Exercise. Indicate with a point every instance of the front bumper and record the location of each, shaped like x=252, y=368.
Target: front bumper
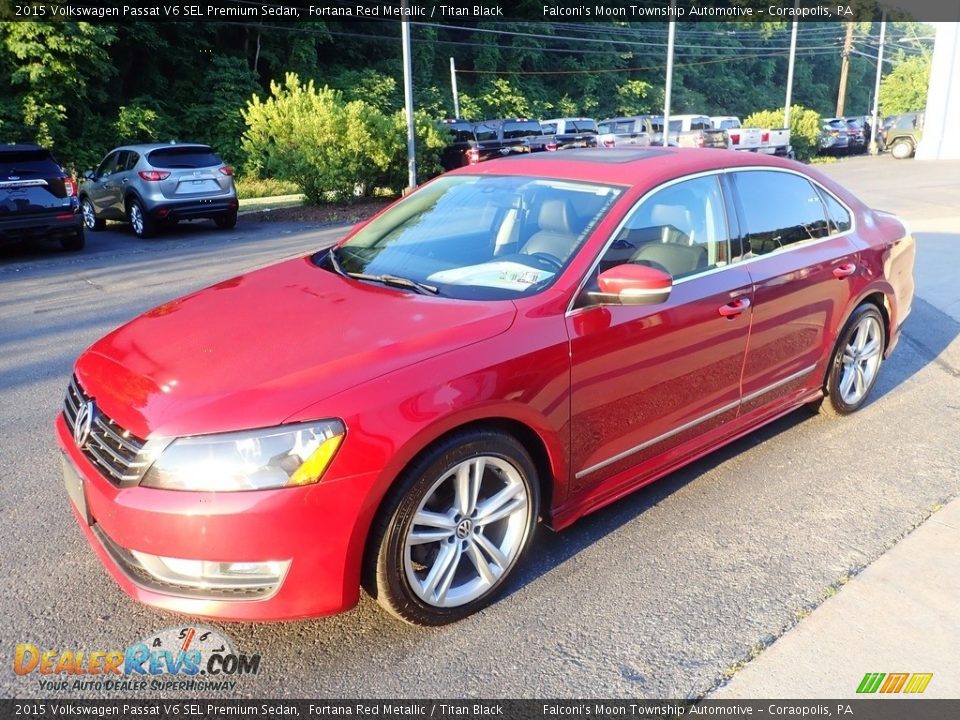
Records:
x=314, y=527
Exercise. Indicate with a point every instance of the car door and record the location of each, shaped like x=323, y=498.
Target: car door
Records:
x=102, y=191
x=802, y=266
x=649, y=380
x=123, y=178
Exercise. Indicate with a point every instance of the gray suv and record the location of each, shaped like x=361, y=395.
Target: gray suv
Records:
x=155, y=185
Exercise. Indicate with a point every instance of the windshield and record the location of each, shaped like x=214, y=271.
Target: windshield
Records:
x=479, y=237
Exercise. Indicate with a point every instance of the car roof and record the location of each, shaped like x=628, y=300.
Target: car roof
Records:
x=148, y=147
x=625, y=166
x=22, y=147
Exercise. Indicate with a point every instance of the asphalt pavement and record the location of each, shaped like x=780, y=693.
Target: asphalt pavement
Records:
x=667, y=593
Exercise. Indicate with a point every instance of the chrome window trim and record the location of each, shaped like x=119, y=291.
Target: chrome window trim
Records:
x=571, y=309
x=696, y=421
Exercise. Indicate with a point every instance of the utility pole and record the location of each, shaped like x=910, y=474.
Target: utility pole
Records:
x=408, y=100
x=793, y=57
x=453, y=86
x=667, y=91
x=875, y=120
x=844, y=69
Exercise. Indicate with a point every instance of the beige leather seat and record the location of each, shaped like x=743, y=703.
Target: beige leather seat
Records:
x=556, y=235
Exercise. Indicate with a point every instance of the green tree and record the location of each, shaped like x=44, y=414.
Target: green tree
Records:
x=804, y=128
x=637, y=97
x=905, y=89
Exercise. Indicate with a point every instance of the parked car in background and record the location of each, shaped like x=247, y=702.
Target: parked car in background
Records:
x=509, y=136
x=903, y=135
x=156, y=184
x=38, y=199
x=462, y=148
x=621, y=131
x=770, y=141
x=571, y=132
x=858, y=129
x=834, y=137
x=688, y=131
x=525, y=339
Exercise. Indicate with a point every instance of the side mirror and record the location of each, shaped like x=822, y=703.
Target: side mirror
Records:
x=633, y=285
x=88, y=175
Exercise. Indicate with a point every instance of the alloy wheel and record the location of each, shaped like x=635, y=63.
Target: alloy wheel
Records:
x=136, y=218
x=467, y=532
x=861, y=360
x=89, y=216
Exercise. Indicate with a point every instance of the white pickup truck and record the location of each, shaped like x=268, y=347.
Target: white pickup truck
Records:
x=762, y=140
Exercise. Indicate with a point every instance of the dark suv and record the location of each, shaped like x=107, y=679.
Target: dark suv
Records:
x=37, y=198
x=461, y=149
x=154, y=185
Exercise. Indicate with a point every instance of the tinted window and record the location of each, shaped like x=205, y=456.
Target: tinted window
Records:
x=779, y=209
x=681, y=230
x=27, y=162
x=518, y=129
x=122, y=160
x=838, y=215
x=582, y=126
x=132, y=160
x=699, y=124
x=174, y=157
x=108, y=166
x=549, y=128
x=485, y=132
x=460, y=132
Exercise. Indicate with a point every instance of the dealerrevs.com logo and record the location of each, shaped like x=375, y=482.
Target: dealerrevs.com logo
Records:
x=177, y=658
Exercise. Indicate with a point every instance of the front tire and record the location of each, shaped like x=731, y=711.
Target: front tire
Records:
x=453, y=529
x=142, y=224
x=902, y=149
x=855, y=363
x=90, y=220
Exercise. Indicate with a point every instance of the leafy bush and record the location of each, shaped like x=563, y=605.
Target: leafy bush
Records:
x=251, y=187
x=804, y=128
x=332, y=149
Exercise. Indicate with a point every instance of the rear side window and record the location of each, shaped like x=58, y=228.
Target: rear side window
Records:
x=485, y=132
x=132, y=160
x=779, y=209
x=173, y=158
x=549, y=128
x=460, y=132
x=584, y=126
x=27, y=162
x=517, y=129
x=839, y=217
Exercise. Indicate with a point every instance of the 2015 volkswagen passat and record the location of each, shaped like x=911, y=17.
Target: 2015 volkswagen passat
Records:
x=529, y=338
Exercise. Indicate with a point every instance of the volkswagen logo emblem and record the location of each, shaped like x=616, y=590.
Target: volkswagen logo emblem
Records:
x=83, y=423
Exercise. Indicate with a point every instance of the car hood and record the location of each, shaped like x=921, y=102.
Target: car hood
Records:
x=252, y=351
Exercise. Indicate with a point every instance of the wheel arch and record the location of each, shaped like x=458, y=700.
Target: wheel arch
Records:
x=880, y=298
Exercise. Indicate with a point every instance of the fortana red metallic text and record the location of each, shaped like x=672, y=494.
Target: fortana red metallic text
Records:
x=527, y=338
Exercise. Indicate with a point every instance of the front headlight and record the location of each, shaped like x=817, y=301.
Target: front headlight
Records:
x=283, y=456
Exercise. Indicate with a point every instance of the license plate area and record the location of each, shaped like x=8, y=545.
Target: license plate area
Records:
x=75, y=490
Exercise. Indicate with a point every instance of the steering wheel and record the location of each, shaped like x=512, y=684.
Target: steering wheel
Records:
x=544, y=258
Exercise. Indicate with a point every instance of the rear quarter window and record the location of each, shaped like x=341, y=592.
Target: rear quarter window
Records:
x=173, y=158
x=838, y=216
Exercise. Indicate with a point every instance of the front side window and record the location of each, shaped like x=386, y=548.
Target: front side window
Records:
x=479, y=237
x=108, y=166
x=779, y=209
x=521, y=128
x=681, y=230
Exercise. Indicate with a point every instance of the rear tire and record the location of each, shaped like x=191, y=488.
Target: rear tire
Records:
x=227, y=221
x=453, y=528
x=855, y=363
x=73, y=243
x=142, y=224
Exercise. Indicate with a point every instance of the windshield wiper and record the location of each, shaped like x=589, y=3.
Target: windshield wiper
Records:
x=393, y=280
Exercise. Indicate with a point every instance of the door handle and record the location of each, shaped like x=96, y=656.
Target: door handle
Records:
x=845, y=270
x=125, y=181
x=732, y=309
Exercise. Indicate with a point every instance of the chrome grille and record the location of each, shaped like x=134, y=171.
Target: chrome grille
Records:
x=115, y=451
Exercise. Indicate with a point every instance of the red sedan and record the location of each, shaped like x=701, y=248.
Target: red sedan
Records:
x=527, y=339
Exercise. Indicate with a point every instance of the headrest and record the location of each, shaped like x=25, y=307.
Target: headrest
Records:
x=555, y=216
